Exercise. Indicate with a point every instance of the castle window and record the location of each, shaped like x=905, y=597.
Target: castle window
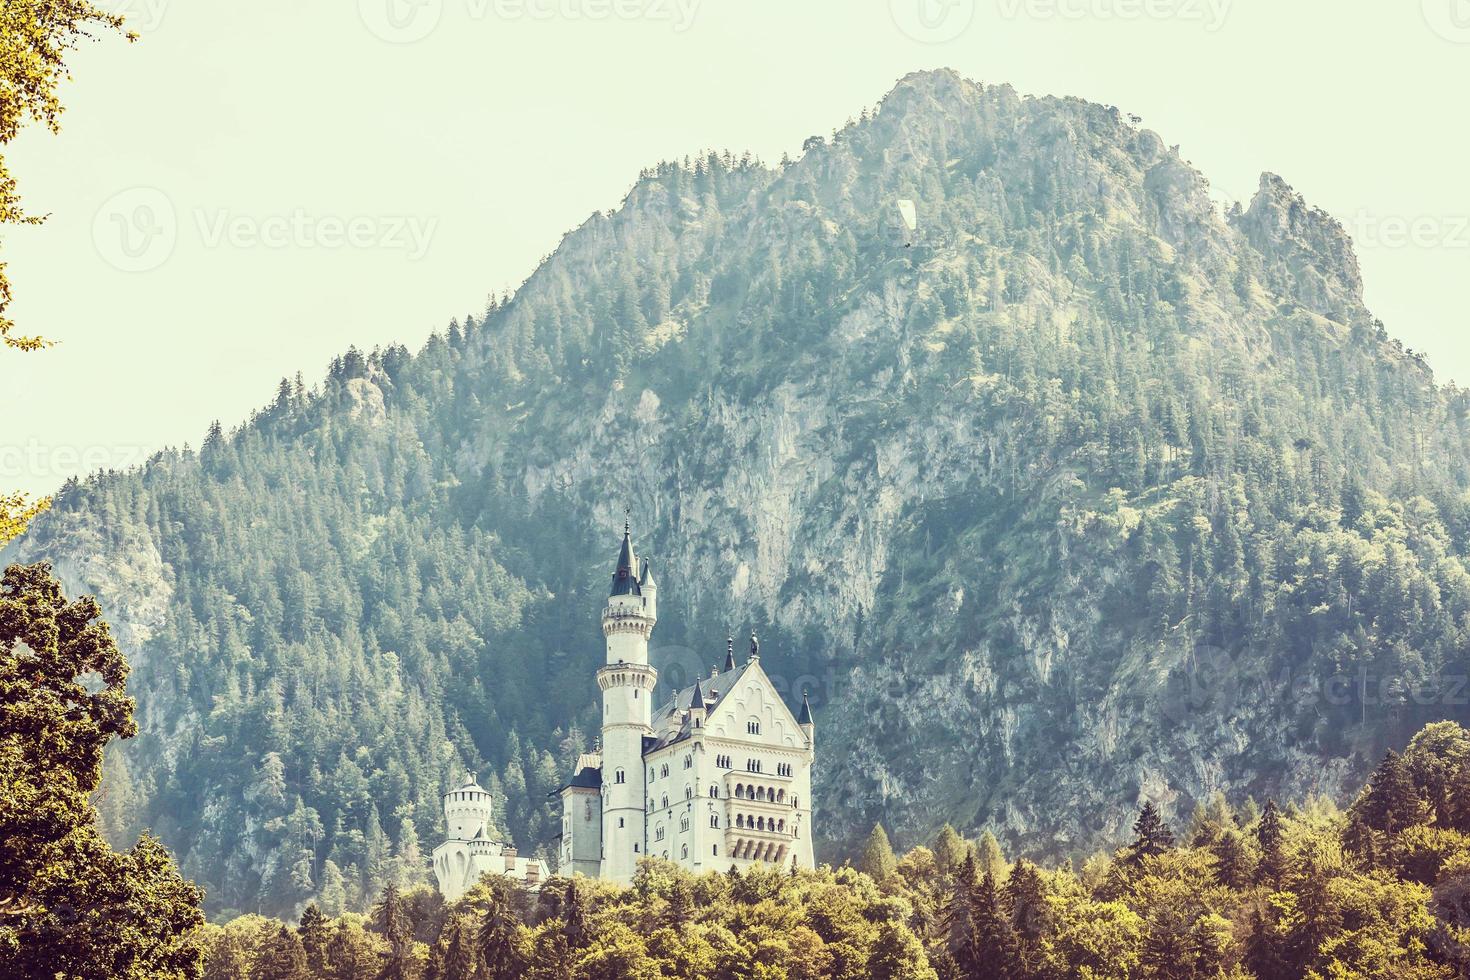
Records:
x=651, y=776
x=688, y=761
x=714, y=820
x=666, y=802
x=620, y=821
x=739, y=792
x=635, y=848
x=684, y=852
x=658, y=833
x=714, y=792
x=684, y=822
x=780, y=796
x=663, y=770
x=753, y=727
x=688, y=792
x=620, y=777
x=716, y=851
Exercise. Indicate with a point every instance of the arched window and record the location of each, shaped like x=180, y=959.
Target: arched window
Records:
x=739, y=791
x=658, y=833
x=620, y=777
x=760, y=793
x=753, y=727
x=714, y=792
x=684, y=852
x=688, y=761
x=714, y=820
x=688, y=792
x=780, y=796
x=651, y=776
x=781, y=825
x=760, y=823
x=663, y=770
x=666, y=802
x=684, y=822
x=740, y=820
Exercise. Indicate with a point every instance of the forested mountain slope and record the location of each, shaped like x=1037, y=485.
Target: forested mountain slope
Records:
x=1092, y=496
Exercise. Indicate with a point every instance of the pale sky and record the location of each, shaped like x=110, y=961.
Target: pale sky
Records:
x=254, y=186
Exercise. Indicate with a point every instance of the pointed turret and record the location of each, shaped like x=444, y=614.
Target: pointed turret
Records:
x=730, y=652
x=648, y=587
x=625, y=578
x=696, y=709
x=805, y=720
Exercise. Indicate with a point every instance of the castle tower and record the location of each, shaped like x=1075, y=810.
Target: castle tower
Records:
x=627, y=682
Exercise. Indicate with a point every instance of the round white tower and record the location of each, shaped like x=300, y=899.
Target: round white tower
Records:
x=627, y=683
x=467, y=809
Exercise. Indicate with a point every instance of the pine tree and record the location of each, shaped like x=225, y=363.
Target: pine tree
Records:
x=315, y=934
x=1271, y=838
x=283, y=958
x=988, y=856
x=1151, y=836
x=877, y=860
x=995, y=949
x=1234, y=863
x=1390, y=802
x=496, y=940
x=1024, y=900
x=949, y=849
x=391, y=919
x=958, y=918
x=574, y=912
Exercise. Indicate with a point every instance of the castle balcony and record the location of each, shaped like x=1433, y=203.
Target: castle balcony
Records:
x=760, y=790
x=741, y=846
x=641, y=676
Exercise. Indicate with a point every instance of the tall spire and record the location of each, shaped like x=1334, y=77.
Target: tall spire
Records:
x=625, y=578
x=806, y=711
x=730, y=652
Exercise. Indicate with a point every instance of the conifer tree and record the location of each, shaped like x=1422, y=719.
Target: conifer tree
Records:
x=988, y=856
x=496, y=940
x=995, y=953
x=1151, y=836
x=1390, y=802
x=949, y=849
x=315, y=934
x=877, y=860
x=1024, y=900
x=1271, y=838
x=1234, y=861
x=574, y=911
x=283, y=959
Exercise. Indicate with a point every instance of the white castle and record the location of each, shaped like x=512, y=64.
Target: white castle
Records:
x=716, y=774
x=473, y=849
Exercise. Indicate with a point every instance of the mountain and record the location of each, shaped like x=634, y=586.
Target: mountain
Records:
x=1085, y=495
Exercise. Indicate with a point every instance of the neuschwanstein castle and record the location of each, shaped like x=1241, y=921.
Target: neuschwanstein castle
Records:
x=713, y=775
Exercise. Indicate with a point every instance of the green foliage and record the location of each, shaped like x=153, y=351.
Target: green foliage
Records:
x=71, y=906
x=877, y=860
x=1167, y=913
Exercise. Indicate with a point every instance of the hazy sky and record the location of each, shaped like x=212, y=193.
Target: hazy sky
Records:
x=254, y=186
